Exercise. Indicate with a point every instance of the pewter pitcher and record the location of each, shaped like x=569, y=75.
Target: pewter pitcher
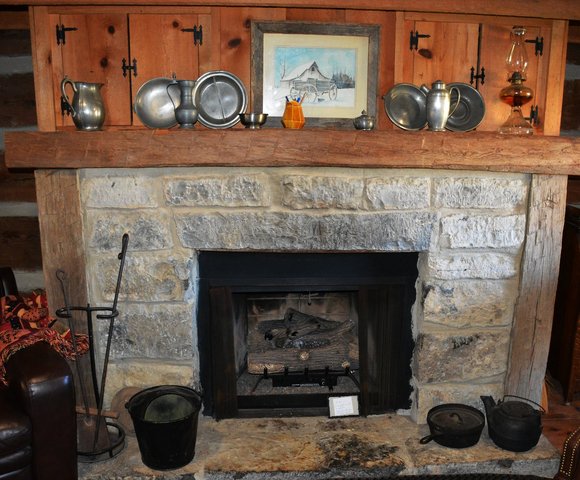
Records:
x=87, y=108
x=439, y=106
x=186, y=113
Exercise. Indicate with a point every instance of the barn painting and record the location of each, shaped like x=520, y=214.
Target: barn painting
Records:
x=321, y=76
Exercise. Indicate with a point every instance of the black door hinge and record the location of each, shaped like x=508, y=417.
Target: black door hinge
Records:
x=61, y=33
x=479, y=76
x=128, y=68
x=534, y=117
x=197, y=34
x=539, y=45
x=414, y=40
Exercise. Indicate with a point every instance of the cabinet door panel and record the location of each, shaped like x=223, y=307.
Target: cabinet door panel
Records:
x=447, y=54
x=494, y=49
x=162, y=49
x=93, y=53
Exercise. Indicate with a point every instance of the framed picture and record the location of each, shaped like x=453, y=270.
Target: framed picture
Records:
x=330, y=68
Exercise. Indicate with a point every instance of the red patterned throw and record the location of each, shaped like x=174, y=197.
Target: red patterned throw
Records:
x=24, y=321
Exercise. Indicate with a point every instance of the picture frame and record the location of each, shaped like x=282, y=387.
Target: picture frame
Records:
x=333, y=68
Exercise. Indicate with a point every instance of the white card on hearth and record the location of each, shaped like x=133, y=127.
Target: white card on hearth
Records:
x=343, y=406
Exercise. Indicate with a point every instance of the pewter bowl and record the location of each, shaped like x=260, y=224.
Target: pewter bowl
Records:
x=154, y=106
x=253, y=121
x=406, y=106
x=219, y=96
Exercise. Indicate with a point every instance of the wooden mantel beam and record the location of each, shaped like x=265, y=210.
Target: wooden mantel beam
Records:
x=555, y=9
x=480, y=151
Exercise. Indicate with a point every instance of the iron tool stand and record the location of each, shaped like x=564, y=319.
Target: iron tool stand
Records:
x=98, y=438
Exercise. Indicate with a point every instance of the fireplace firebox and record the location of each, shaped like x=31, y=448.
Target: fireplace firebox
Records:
x=280, y=333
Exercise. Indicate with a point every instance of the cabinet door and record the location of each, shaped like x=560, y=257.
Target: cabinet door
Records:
x=162, y=48
x=447, y=54
x=495, y=44
x=93, y=53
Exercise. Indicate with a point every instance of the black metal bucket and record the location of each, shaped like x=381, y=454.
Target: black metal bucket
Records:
x=165, y=420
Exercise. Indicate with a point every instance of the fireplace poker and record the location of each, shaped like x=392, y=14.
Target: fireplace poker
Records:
x=61, y=276
x=114, y=313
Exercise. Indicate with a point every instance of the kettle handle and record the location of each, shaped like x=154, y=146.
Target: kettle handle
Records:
x=65, y=99
x=542, y=409
x=453, y=107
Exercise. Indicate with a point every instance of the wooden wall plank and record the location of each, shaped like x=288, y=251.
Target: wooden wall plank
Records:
x=563, y=9
x=17, y=104
x=481, y=151
x=316, y=15
x=42, y=35
x=210, y=52
x=59, y=212
x=14, y=18
x=386, y=70
x=20, y=240
x=14, y=42
x=61, y=232
x=556, y=73
x=16, y=186
x=235, y=39
x=530, y=340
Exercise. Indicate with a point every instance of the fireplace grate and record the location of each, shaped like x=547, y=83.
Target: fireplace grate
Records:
x=307, y=378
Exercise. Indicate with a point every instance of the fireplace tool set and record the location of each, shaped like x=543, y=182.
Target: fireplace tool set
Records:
x=98, y=437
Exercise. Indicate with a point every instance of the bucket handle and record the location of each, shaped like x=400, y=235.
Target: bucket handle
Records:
x=160, y=393
x=542, y=409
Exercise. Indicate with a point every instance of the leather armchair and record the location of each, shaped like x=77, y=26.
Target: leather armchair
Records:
x=37, y=412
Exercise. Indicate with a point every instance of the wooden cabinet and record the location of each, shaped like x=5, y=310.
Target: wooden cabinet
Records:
x=441, y=51
x=449, y=46
x=472, y=50
x=123, y=51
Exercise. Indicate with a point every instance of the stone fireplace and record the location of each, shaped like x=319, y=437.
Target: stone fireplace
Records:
x=466, y=228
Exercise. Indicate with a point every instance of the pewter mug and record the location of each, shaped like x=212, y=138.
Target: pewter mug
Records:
x=439, y=106
x=87, y=108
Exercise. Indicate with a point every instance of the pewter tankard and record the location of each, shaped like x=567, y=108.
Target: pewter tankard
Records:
x=439, y=106
x=87, y=108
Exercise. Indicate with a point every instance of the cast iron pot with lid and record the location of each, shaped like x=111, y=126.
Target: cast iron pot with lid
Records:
x=514, y=424
x=454, y=425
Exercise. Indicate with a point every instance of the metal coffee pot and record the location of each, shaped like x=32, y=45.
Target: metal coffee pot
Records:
x=439, y=106
x=87, y=108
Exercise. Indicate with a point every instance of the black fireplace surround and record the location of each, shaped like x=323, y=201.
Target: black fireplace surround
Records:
x=383, y=286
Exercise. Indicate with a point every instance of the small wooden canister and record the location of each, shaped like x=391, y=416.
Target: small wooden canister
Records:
x=293, y=115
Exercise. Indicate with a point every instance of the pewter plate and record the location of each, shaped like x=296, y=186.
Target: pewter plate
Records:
x=220, y=97
x=406, y=106
x=470, y=111
x=153, y=104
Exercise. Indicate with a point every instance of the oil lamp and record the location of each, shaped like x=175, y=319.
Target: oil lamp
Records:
x=516, y=94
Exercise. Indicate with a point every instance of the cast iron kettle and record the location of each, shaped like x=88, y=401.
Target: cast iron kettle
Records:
x=513, y=425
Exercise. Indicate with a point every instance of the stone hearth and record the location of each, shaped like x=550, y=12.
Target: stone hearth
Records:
x=468, y=228
x=320, y=448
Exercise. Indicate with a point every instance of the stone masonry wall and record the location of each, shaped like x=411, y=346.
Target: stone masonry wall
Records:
x=468, y=226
